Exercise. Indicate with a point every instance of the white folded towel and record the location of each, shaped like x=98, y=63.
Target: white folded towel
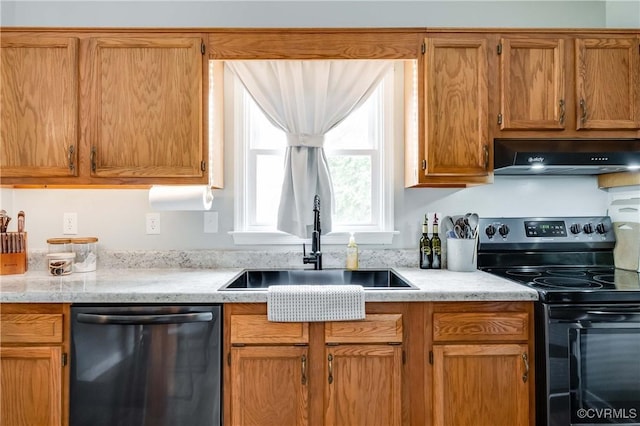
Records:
x=297, y=303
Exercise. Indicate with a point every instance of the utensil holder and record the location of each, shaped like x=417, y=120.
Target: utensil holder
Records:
x=13, y=253
x=461, y=254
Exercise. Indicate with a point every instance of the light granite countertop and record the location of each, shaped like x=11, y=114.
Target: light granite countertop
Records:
x=168, y=286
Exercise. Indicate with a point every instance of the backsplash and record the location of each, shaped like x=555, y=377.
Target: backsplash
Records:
x=219, y=259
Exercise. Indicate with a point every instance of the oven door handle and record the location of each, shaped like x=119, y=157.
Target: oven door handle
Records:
x=146, y=319
x=631, y=314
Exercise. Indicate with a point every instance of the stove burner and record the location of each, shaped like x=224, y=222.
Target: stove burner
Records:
x=565, y=282
x=605, y=278
x=567, y=272
x=526, y=274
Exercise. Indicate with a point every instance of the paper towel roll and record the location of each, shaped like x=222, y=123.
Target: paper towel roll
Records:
x=180, y=197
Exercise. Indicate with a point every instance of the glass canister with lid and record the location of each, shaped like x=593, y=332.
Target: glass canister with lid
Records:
x=86, y=251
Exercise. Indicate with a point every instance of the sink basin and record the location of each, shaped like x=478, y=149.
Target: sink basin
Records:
x=372, y=279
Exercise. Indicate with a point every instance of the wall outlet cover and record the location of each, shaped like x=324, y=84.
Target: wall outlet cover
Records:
x=153, y=223
x=210, y=222
x=70, y=223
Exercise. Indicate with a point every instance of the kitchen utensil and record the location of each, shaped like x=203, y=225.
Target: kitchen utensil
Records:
x=20, y=221
x=472, y=220
x=460, y=232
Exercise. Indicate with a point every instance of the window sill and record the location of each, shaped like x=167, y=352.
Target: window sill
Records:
x=333, y=238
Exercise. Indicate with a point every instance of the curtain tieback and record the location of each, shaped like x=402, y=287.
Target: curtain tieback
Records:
x=311, y=141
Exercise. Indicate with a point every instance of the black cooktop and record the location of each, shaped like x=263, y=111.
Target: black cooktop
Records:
x=560, y=284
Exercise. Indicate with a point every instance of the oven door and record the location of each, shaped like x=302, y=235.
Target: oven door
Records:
x=594, y=365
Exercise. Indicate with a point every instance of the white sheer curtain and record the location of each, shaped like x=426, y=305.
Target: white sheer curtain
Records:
x=306, y=99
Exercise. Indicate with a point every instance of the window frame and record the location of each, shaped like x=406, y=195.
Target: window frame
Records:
x=245, y=234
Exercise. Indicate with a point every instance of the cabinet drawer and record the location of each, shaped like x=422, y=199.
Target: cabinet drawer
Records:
x=480, y=326
x=31, y=328
x=257, y=329
x=375, y=328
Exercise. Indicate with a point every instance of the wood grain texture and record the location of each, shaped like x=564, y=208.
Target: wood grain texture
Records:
x=456, y=107
x=480, y=385
x=480, y=326
x=375, y=328
x=146, y=110
x=39, y=106
x=31, y=328
x=257, y=329
x=314, y=44
x=31, y=386
x=612, y=180
x=267, y=386
x=532, y=83
x=367, y=385
x=608, y=83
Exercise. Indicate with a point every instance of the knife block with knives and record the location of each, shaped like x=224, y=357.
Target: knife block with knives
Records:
x=13, y=247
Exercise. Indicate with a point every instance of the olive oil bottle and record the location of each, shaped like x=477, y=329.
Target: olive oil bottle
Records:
x=436, y=246
x=425, y=246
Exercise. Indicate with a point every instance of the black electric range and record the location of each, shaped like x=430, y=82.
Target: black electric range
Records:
x=567, y=260
x=587, y=318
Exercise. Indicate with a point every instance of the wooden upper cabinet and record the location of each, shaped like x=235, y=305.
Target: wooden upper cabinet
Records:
x=608, y=83
x=532, y=83
x=145, y=109
x=39, y=103
x=456, y=108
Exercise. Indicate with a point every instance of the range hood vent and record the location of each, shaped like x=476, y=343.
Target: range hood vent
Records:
x=565, y=156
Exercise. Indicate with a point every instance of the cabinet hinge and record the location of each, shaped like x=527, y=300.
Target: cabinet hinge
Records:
x=64, y=359
x=203, y=166
x=237, y=345
x=500, y=118
x=332, y=344
x=202, y=47
x=300, y=344
x=499, y=48
x=404, y=357
x=431, y=357
x=394, y=343
x=424, y=164
x=423, y=48
x=229, y=359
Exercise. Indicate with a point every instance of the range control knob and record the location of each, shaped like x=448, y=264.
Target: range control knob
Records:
x=588, y=228
x=575, y=228
x=490, y=230
x=503, y=230
x=601, y=228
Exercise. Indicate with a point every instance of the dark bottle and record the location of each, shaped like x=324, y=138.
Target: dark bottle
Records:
x=436, y=246
x=425, y=246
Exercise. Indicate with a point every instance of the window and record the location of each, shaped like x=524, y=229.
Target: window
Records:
x=360, y=155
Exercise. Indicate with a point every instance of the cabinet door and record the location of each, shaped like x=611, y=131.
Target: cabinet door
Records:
x=363, y=385
x=39, y=103
x=146, y=107
x=608, y=83
x=456, y=106
x=31, y=386
x=481, y=384
x=532, y=83
x=269, y=385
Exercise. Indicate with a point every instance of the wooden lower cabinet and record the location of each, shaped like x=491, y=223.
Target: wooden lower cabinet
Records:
x=364, y=385
x=480, y=385
x=33, y=371
x=346, y=373
x=269, y=385
x=482, y=364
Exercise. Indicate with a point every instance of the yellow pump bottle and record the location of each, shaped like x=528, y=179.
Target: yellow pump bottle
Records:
x=352, y=254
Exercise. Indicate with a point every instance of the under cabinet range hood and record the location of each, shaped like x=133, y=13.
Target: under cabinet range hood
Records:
x=565, y=156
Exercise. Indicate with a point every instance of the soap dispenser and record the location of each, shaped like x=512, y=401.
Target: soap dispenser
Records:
x=352, y=254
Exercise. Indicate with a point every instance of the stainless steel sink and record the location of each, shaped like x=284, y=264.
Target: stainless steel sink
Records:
x=372, y=279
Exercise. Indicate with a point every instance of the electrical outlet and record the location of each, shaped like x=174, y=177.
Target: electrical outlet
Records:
x=70, y=223
x=210, y=222
x=153, y=223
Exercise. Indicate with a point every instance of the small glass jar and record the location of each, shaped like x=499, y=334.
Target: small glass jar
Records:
x=86, y=251
x=59, y=245
x=60, y=263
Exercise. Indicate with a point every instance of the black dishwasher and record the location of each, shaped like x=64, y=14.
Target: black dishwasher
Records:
x=145, y=365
